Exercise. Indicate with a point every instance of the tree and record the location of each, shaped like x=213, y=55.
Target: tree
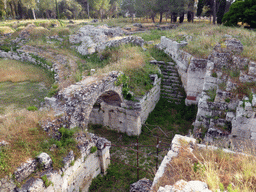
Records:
x=47, y=8
x=30, y=4
x=190, y=9
x=162, y=7
x=101, y=6
x=200, y=6
x=221, y=10
x=128, y=6
x=241, y=11
x=2, y=11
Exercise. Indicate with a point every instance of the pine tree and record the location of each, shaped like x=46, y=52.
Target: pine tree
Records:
x=200, y=6
x=221, y=10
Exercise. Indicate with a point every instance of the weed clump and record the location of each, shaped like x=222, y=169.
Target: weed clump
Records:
x=47, y=183
x=93, y=149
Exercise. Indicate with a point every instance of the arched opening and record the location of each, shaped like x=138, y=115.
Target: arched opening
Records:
x=108, y=112
x=106, y=103
x=110, y=98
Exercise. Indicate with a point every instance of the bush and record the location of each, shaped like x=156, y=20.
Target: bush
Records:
x=94, y=149
x=241, y=11
x=32, y=108
x=47, y=183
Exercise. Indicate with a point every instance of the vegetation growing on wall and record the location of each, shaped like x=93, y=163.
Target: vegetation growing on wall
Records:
x=221, y=171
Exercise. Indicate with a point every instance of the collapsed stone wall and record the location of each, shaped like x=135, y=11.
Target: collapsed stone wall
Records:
x=208, y=84
x=76, y=174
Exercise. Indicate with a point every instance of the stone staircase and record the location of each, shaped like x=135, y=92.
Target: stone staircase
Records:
x=171, y=85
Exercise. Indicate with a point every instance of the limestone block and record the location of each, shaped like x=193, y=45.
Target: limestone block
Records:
x=196, y=186
x=253, y=136
x=141, y=185
x=68, y=159
x=246, y=78
x=252, y=68
x=32, y=185
x=3, y=143
x=25, y=170
x=45, y=160
x=230, y=116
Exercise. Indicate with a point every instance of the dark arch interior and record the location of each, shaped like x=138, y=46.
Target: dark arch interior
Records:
x=109, y=97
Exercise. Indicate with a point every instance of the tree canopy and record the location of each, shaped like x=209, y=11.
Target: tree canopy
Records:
x=241, y=11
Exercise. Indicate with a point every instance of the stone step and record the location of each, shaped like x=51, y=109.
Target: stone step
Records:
x=169, y=76
x=171, y=98
x=170, y=90
x=166, y=67
x=171, y=87
x=170, y=63
x=171, y=80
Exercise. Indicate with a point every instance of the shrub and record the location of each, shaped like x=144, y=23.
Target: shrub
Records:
x=53, y=91
x=214, y=74
x=241, y=11
x=32, y=108
x=93, y=149
x=47, y=183
x=227, y=100
x=212, y=94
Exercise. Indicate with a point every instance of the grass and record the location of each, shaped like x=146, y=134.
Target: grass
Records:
x=212, y=94
x=5, y=30
x=22, y=85
x=131, y=60
x=15, y=71
x=27, y=140
x=170, y=118
x=221, y=171
x=205, y=37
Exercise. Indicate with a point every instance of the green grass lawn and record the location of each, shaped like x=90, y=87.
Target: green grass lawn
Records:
x=21, y=94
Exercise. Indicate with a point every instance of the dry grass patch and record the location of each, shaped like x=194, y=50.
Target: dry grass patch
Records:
x=220, y=170
x=4, y=30
x=21, y=130
x=27, y=140
x=124, y=59
x=15, y=71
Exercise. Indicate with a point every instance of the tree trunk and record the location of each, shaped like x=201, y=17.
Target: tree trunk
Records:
x=88, y=9
x=214, y=12
x=153, y=18
x=181, y=17
x=34, y=15
x=101, y=15
x=161, y=17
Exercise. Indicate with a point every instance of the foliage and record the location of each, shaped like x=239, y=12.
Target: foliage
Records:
x=200, y=6
x=212, y=94
x=221, y=10
x=93, y=149
x=214, y=74
x=53, y=91
x=241, y=11
x=176, y=118
x=32, y=108
x=47, y=183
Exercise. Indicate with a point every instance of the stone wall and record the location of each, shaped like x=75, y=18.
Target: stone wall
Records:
x=130, y=117
x=171, y=86
x=76, y=174
x=191, y=70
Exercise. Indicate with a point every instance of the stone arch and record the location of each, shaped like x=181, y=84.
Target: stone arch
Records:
x=111, y=96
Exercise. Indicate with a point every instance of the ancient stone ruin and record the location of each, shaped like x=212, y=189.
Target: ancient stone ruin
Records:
x=224, y=109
